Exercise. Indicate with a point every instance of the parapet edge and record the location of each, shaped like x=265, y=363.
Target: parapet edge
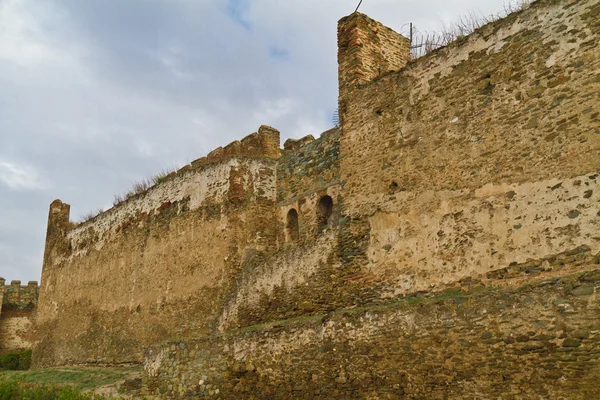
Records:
x=294, y=145
x=18, y=283
x=263, y=144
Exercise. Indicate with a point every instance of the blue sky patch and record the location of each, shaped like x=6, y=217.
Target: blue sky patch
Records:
x=237, y=10
x=278, y=53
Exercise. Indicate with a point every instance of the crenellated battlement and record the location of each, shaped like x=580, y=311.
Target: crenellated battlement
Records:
x=18, y=297
x=18, y=306
x=262, y=144
x=265, y=143
x=296, y=144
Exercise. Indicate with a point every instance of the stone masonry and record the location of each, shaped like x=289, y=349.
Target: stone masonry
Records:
x=17, y=313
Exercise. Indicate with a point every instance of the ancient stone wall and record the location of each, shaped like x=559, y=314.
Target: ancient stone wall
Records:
x=161, y=264
x=483, y=153
x=399, y=239
x=293, y=279
x=20, y=298
x=308, y=170
x=308, y=165
x=492, y=339
x=17, y=313
x=366, y=50
x=2, y=282
x=462, y=256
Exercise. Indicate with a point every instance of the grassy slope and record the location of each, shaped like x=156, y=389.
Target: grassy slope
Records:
x=104, y=381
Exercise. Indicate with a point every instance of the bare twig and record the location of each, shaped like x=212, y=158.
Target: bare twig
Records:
x=425, y=42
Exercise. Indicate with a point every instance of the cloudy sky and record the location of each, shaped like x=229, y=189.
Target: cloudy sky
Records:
x=96, y=94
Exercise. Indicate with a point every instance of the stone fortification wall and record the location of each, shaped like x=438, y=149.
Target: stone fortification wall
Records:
x=481, y=154
x=463, y=256
x=484, y=339
x=308, y=170
x=302, y=263
x=443, y=243
x=392, y=238
x=308, y=166
x=160, y=265
x=19, y=298
x=366, y=50
x=17, y=313
x=294, y=281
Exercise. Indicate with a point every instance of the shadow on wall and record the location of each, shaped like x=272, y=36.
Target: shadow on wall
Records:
x=324, y=212
x=292, y=227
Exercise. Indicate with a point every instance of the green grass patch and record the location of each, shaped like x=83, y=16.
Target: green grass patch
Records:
x=13, y=389
x=16, y=361
x=81, y=379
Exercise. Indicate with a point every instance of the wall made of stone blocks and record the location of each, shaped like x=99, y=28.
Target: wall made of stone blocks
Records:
x=283, y=284
x=157, y=267
x=480, y=339
x=296, y=278
x=311, y=167
x=294, y=281
x=17, y=312
x=16, y=331
x=483, y=153
x=460, y=258
x=366, y=50
x=20, y=298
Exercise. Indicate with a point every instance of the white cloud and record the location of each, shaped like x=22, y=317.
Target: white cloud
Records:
x=22, y=39
x=270, y=110
x=19, y=177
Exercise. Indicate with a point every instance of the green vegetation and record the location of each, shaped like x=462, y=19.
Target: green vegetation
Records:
x=66, y=383
x=83, y=379
x=143, y=185
x=280, y=323
x=91, y=214
x=16, y=361
x=137, y=188
x=12, y=389
x=162, y=175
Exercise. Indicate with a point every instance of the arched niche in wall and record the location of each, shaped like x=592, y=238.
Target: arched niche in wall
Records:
x=291, y=226
x=324, y=211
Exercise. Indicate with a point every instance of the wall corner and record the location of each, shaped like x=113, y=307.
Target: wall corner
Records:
x=366, y=50
x=271, y=143
x=58, y=226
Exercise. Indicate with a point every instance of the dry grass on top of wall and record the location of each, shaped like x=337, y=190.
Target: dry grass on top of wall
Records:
x=138, y=187
x=425, y=42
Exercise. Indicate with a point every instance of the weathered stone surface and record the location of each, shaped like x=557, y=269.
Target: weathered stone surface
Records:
x=403, y=349
x=159, y=265
x=17, y=312
x=455, y=182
